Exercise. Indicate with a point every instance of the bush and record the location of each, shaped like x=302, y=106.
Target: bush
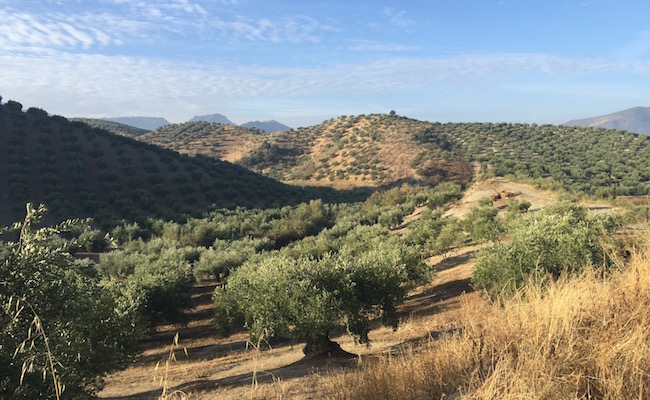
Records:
x=226, y=256
x=559, y=239
x=482, y=224
x=159, y=274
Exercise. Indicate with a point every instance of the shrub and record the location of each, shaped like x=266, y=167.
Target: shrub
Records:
x=560, y=239
x=482, y=224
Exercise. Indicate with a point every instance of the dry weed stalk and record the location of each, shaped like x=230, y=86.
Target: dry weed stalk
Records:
x=164, y=380
x=13, y=309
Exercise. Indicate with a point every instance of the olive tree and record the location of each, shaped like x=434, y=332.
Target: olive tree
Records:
x=61, y=327
x=559, y=239
x=303, y=298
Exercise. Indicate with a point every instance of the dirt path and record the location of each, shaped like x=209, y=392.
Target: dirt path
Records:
x=511, y=190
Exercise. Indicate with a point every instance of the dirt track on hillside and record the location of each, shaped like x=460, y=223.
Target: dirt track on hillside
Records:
x=509, y=190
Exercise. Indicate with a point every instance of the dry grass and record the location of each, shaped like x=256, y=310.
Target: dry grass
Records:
x=581, y=337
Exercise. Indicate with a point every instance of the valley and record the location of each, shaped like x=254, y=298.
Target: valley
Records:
x=224, y=262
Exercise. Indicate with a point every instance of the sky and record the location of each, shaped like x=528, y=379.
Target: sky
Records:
x=302, y=62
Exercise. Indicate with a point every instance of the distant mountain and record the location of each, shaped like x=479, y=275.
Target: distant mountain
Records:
x=266, y=126
x=635, y=119
x=148, y=123
x=218, y=118
x=113, y=127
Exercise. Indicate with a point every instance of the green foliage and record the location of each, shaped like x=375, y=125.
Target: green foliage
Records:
x=559, y=239
x=158, y=273
x=89, y=172
x=482, y=223
x=305, y=220
x=303, y=298
x=225, y=256
x=57, y=317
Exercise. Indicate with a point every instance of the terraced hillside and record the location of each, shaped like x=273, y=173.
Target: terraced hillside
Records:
x=80, y=171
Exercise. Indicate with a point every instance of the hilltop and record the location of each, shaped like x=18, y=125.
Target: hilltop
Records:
x=381, y=150
x=348, y=152
x=146, y=123
x=213, y=118
x=113, y=127
x=80, y=171
x=636, y=119
x=225, y=142
x=266, y=126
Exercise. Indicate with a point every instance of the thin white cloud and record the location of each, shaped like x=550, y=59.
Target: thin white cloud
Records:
x=397, y=17
x=292, y=29
x=58, y=30
x=148, y=22
x=374, y=46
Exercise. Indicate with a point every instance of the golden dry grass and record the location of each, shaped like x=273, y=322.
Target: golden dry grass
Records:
x=580, y=337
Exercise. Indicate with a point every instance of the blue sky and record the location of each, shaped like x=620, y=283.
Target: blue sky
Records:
x=301, y=62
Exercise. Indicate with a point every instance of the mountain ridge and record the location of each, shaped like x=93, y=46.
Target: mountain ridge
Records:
x=267, y=126
x=216, y=117
x=147, y=123
x=635, y=119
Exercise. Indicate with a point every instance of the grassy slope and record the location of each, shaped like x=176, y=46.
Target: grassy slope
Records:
x=79, y=171
x=581, y=337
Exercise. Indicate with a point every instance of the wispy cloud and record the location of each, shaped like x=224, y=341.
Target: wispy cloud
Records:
x=397, y=17
x=58, y=30
x=375, y=46
x=119, y=85
x=292, y=29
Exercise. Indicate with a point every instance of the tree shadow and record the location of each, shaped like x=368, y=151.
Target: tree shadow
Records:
x=454, y=261
x=303, y=367
x=431, y=301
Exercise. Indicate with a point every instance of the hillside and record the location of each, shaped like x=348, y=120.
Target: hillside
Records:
x=146, y=123
x=266, y=126
x=113, y=127
x=225, y=142
x=213, y=118
x=80, y=171
x=636, y=119
x=382, y=150
x=348, y=152
x=595, y=161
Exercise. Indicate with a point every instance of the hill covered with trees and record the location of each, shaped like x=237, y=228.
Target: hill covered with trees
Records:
x=381, y=150
x=113, y=127
x=80, y=171
x=348, y=152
